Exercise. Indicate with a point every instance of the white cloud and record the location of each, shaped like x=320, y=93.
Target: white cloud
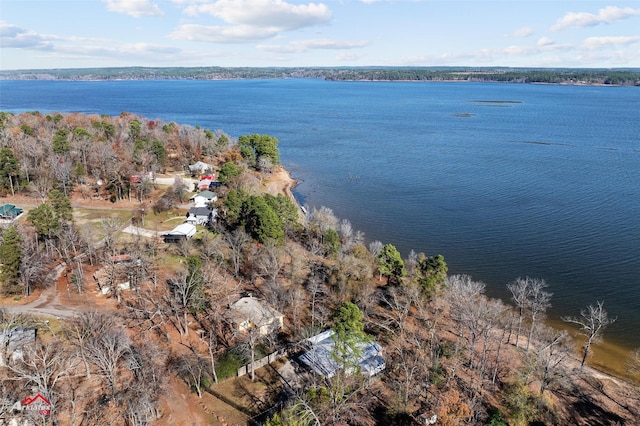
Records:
x=249, y=20
x=523, y=32
x=606, y=15
x=265, y=13
x=593, y=43
x=330, y=44
x=135, y=8
x=17, y=37
x=545, y=41
x=219, y=34
x=300, y=46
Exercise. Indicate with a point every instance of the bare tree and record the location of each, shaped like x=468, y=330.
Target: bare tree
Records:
x=321, y=220
x=408, y=370
x=237, y=240
x=110, y=228
x=347, y=234
x=83, y=329
x=44, y=365
x=296, y=300
x=592, y=322
x=212, y=248
x=147, y=361
x=319, y=314
x=107, y=352
x=468, y=306
x=212, y=343
x=267, y=261
x=375, y=247
x=519, y=289
x=398, y=301
x=253, y=337
x=192, y=369
x=33, y=265
x=554, y=347
x=411, y=263
x=537, y=304
x=186, y=295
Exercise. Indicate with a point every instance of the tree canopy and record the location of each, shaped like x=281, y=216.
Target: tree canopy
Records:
x=260, y=220
x=255, y=146
x=432, y=272
x=390, y=262
x=11, y=255
x=228, y=171
x=9, y=168
x=45, y=220
x=61, y=205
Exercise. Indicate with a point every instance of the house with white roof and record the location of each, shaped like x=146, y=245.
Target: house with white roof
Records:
x=181, y=232
x=204, y=198
x=200, y=167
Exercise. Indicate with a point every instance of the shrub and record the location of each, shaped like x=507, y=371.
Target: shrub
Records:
x=228, y=365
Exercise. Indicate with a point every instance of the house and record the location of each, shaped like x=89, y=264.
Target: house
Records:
x=249, y=312
x=206, y=182
x=320, y=360
x=204, y=198
x=181, y=232
x=9, y=212
x=201, y=215
x=13, y=341
x=200, y=168
x=116, y=276
x=139, y=178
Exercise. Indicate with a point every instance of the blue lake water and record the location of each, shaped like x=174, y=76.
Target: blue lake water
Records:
x=504, y=180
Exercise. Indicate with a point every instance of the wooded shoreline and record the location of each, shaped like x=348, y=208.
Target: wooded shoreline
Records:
x=572, y=76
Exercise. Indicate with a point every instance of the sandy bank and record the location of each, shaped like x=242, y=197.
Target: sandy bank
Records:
x=281, y=182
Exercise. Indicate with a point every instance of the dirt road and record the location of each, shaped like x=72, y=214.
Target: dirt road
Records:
x=48, y=304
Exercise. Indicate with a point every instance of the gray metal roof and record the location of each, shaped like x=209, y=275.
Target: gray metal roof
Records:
x=319, y=357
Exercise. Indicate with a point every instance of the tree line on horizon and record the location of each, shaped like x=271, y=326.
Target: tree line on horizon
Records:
x=451, y=351
x=596, y=76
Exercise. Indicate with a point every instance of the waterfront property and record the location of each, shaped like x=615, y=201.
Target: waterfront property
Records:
x=320, y=360
x=249, y=312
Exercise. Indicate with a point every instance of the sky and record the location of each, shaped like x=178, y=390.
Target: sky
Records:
x=45, y=34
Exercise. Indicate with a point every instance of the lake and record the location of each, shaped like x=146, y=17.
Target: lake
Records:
x=504, y=180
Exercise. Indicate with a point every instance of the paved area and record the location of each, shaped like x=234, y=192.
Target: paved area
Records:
x=140, y=231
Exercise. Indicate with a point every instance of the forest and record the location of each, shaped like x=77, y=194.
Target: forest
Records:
x=584, y=76
x=126, y=328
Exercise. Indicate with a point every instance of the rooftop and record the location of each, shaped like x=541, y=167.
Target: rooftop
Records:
x=9, y=211
x=319, y=357
x=252, y=310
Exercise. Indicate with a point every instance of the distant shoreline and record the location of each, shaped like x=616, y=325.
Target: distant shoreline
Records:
x=565, y=76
